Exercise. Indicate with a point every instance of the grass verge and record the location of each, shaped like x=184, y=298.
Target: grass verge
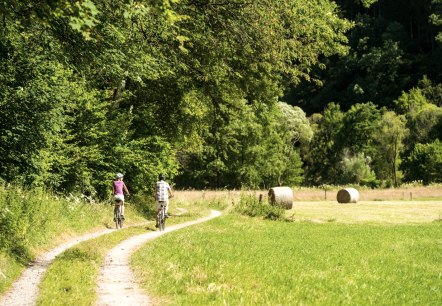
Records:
x=237, y=260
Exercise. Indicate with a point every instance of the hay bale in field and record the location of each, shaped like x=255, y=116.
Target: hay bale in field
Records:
x=348, y=195
x=281, y=196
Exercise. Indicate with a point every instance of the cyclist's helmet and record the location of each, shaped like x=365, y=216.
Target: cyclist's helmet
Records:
x=161, y=177
x=118, y=175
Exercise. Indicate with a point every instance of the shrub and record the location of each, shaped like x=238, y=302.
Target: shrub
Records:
x=250, y=206
x=19, y=213
x=425, y=163
x=356, y=170
x=144, y=204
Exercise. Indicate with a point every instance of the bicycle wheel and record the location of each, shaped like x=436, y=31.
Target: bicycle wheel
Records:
x=117, y=217
x=162, y=220
x=121, y=219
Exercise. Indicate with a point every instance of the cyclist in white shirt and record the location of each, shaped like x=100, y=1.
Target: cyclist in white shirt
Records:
x=162, y=192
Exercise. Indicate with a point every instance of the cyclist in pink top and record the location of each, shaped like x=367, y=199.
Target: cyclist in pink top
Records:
x=118, y=189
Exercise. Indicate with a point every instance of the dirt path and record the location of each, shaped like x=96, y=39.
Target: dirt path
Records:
x=24, y=291
x=116, y=284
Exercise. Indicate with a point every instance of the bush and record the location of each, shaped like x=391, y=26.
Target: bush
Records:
x=144, y=204
x=356, y=170
x=250, y=206
x=425, y=163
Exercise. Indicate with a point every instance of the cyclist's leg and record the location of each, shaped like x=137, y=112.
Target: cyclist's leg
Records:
x=157, y=215
x=115, y=210
x=167, y=207
x=119, y=200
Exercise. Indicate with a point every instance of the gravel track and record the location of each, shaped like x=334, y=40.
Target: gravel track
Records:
x=24, y=290
x=116, y=284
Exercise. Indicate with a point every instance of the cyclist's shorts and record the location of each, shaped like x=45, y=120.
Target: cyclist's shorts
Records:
x=159, y=203
x=119, y=198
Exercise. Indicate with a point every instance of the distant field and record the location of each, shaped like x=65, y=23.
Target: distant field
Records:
x=405, y=205
x=391, y=194
x=367, y=211
x=317, y=194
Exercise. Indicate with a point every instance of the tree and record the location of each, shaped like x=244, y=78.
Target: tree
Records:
x=431, y=91
x=294, y=124
x=292, y=130
x=411, y=102
x=33, y=89
x=436, y=17
x=392, y=45
x=325, y=152
x=423, y=121
x=389, y=139
x=423, y=117
x=423, y=125
x=177, y=81
x=425, y=163
x=360, y=123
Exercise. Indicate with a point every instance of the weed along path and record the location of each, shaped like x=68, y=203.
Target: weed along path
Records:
x=116, y=284
x=24, y=291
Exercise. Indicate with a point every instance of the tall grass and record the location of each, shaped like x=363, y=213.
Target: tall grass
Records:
x=250, y=206
x=32, y=221
x=29, y=218
x=235, y=260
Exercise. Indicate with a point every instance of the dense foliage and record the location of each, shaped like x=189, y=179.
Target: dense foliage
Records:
x=195, y=89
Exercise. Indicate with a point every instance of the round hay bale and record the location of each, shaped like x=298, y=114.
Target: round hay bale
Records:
x=281, y=196
x=348, y=195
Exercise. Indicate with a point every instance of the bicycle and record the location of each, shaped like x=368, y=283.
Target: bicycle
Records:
x=117, y=215
x=161, y=218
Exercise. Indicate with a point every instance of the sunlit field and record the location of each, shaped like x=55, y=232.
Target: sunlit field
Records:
x=392, y=194
x=367, y=211
x=420, y=193
x=374, y=252
x=236, y=260
x=405, y=205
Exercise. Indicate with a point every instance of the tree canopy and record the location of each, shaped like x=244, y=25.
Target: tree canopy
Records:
x=216, y=94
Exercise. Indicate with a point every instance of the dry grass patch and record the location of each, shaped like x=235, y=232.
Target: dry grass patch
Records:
x=317, y=194
x=367, y=211
x=375, y=205
x=390, y=194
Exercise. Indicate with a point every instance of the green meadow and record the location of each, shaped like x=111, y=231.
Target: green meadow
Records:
x=236, y=260
x=383, y=252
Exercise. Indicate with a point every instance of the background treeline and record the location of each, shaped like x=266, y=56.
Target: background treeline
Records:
x=219, y=93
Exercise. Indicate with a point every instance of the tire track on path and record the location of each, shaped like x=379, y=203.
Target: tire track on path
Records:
x=116, y=284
